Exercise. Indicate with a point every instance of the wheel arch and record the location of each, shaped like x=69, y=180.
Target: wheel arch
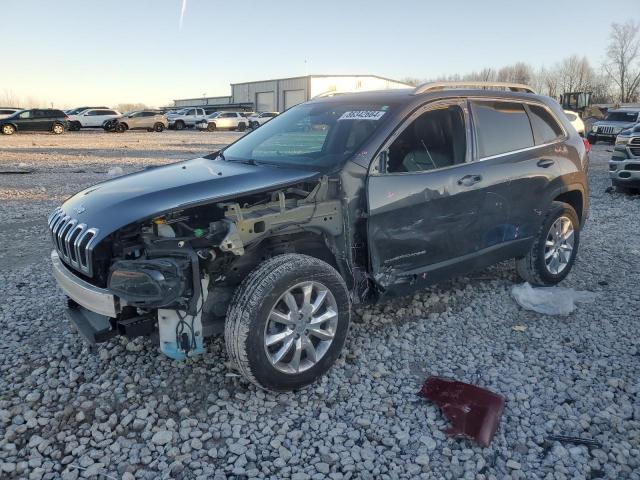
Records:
x=574, y=196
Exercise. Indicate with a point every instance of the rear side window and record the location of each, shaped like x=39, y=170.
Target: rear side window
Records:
x=545, y=126
x=501, y=127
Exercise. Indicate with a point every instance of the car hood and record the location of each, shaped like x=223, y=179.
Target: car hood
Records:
x=111, y=205
x=610, y=123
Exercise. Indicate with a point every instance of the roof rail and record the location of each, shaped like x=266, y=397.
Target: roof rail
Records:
x=329, y=93
x=434, y=86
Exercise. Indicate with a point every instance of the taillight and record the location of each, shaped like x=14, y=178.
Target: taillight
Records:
x=587, y=145
x=66, y=117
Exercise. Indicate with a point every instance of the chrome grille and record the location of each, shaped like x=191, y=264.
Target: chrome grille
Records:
x=634, y=146
x=74, y=241
x=605, y=129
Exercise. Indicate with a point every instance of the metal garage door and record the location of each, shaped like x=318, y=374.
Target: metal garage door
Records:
x=293, y=97
x=265, y=102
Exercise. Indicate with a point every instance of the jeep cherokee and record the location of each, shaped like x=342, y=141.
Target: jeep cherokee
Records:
x=340, y=200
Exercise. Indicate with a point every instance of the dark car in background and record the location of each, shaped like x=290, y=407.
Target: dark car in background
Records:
x=35, y=120
x=345, y=199
x=615, y=122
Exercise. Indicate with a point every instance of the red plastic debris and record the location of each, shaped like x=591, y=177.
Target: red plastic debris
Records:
x=474, y=412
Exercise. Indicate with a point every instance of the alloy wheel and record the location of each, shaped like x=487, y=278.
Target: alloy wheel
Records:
x=558, y=246
x=301, y=327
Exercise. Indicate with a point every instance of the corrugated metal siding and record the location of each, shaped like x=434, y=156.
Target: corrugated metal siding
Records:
x=190, y=102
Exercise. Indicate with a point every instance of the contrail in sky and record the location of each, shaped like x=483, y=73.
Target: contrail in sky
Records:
x=184, y=9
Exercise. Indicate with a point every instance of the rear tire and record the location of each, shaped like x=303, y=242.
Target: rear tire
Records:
x=242, y=127
x=75, y=126
x=158, y=127
x=313, y=324
x=551, y=257
x=8, y=129
x=57, y=129
x=211, y=127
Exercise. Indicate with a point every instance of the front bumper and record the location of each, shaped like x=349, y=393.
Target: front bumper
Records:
x=604, y=136
x=98, y=300
x=625, y=172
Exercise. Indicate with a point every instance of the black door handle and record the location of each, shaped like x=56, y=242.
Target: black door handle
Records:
x=545, y=162
x=469, y=180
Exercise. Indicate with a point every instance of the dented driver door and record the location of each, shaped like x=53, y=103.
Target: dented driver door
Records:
x=425, y=226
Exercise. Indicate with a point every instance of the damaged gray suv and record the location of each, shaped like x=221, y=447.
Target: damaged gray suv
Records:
x=341, y=200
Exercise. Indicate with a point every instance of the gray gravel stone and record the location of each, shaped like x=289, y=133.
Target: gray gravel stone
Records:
x=129, y=412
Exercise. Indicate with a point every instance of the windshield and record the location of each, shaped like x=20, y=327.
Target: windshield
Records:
x=214, y=115
x=622, y=116
x=311, y=134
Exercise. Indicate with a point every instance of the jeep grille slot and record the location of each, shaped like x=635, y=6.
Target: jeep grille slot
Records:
x=634, y=146
x=72, y=240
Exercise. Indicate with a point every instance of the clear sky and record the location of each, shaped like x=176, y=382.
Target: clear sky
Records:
x=74, y=52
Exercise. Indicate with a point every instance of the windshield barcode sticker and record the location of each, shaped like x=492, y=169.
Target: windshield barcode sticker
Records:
x=362, y=115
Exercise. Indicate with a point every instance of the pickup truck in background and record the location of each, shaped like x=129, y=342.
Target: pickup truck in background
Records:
x=187, y=117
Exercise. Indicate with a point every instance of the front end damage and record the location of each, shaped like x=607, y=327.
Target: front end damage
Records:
x=172, y=276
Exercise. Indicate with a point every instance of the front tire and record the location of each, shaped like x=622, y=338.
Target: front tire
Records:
x=287, y=322
x=242, y=127
x=554, y=249
x=180, y=125
x=8, y=129
x=158, y=127
x=592, y=139
x=121, y=128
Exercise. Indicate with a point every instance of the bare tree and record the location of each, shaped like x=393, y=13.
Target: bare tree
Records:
x=623, y=59
x=519, y=72
x=575, y=74
x=9, y=99
x=129, y=107
x=411, y=81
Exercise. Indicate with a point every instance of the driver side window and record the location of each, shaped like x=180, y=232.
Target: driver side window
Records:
x=436, y=139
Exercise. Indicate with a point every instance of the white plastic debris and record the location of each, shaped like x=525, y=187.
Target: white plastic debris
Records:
x=115, y=171
x=550, y=300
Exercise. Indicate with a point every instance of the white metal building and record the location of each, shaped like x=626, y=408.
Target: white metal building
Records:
x=280, y=94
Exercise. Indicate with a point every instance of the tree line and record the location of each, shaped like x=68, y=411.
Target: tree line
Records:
x=616, y=80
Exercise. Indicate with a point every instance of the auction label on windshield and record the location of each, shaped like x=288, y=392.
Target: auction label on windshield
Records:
x=362, y=115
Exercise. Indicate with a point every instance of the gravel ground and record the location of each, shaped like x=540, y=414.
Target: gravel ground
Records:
x=128, y=412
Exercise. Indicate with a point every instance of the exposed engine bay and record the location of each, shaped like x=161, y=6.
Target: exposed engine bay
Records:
x=175, y=274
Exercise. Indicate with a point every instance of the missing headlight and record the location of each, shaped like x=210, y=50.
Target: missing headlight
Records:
x=159, y=282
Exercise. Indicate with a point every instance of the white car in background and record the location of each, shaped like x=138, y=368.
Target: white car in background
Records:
x=7, y=112
x=261, y=118
x=92, y=118
x=576, y=121
x=187, y=117
x=224, y=121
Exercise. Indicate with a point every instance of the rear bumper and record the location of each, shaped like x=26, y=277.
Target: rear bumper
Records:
x=98, y=300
